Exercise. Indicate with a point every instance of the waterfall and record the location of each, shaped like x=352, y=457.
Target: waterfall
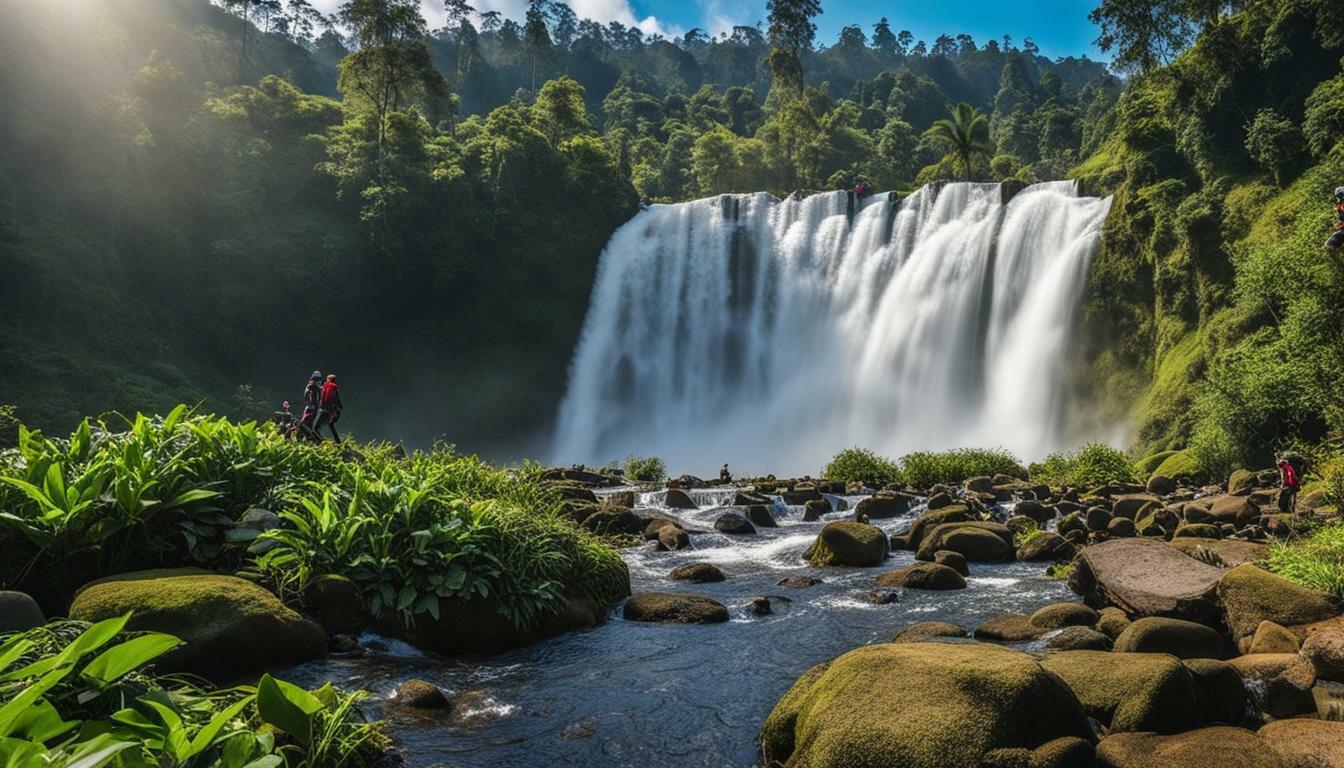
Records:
x=771, y=334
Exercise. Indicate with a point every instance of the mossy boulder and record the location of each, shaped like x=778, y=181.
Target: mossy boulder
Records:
x=815, y=510
x=926, y=631
x=1132, y=505
x=665, y=607
x=922, y=576
x=1130, y=691
x=1078, y=639
x=19, y=612
x=336, y=603
x=1179, y=465
x=612, y=521
x=699, y=573
x=1238, y=510
x=671, y=537
x=1197, y=531
x=1046, y=547
x=1182, y=639
x=954, y=560
x=652, y=528
x=1272, y=638
x=420, y=694
x=930, y=520
x=1325, y=651
x=477, y=626
x=734, y=524
x=1009, y=628
x=848, y=713
x=675, y=498
x=885, y=504
x=230, y=626
x=978, y=542
x=1111, y=622
x=1250, y=595
x=1058, y=615
x=761, y=516
x=1306, y=743
x=1230, y=552
x=1220, y=690
x=1146, y=577
x=1217, y=747
x=848, y=543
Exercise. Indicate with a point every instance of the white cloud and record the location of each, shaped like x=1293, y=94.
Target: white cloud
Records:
x=597, y=10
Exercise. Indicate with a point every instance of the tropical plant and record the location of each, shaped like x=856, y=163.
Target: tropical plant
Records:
x=924, y=469
x=645, y=469
x=1092, y=465
x=858, y=465
x=966, y=136
x=1315, y=560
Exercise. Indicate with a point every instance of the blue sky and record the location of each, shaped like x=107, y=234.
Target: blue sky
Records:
x=1059, y=27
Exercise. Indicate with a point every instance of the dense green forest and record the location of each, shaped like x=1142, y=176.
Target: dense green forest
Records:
x=194, y=206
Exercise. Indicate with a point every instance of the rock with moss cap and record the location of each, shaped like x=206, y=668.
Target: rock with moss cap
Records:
x=230, y=627
x=1182, y=639
x=697, y=573
x=847, y=543
x=1111, y=622
x=1250, y=595
x=664, y=607
x=1217, y=747
x=925, y=631
x=1230, y=552
x=1009, y=628
x=1146, y=577
x=1272, y=638
x=1219, y=689
x=1057, y=615
x=921, y=576
x=1130, y=691
x=885, y=504
x=843, y=713
x=1077, y=639
x=1306, y=743
x=929, y=520
x=977, y=541
x=1046, y=547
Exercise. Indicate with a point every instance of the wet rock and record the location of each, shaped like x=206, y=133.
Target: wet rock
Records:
x=883, y=596
x=1219, y=689
x=1045, y=547
x=1073, y=522
x=846, y=543
x=1325, y=651
x=478, y=626
x=1284, y=679
x=626, y=499
x=611, y=521
x=337, y=604
x=1038, y=512
x=663, y=607
x=344, y=644
x=1250, y=595
x=672, y=537
x=843, y=713
x=930, y=520
x=760, y=606
x=1306, y=743
x=1145, y=577
x=19, y=612
x=939, y=500
x=815, y=510
x=1121, y=528
x=675, y=498
x=1272, y=638
x=750, y=499
x=1078, y=639
x=699, y=573
x=954, y=560
x=798, y=582
x=420, y=694
x=1130, y=691
x=734, y=524
x=657, y=524
x=760, y=515
x=885, y=504
x=1238, y=510
x=1182, y=639
x=978, y=542
x=1008, y=628
x=981, y=484
x=1131, y=506
x=922, y=576
x=1058, y=615
x=801, y=494
x=1216, y=747
x=926, y=631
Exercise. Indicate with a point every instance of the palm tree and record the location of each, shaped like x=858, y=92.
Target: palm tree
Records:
x=966, y=136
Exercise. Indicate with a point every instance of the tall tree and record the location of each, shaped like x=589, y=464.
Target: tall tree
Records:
x=1143, y=33
x=884, y=40
x=966, y=136
x=535, y=35
x=790, y=31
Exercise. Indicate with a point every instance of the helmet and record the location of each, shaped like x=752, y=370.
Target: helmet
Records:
x=1339, y=191
x=317, y=376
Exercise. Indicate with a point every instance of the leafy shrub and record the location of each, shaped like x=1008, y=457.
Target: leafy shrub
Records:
x=1025, y=536
x=1323, y=124
x=926, y=469
x=9, y=426
x=1180, y=464
x=858, y=465
x=1148, y=465
x=1274, y=143
x=75, y=694
x=1093, y=464
x=645, y=469
x=1315, y=560
x=1330, y=480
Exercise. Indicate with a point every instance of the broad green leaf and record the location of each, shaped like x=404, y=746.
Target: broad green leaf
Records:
x=269, y=761
x=13, y=710
x=13, y=649
x=205, y=737
x=98, y=752
x=18, y=753
x=93, y=638
x=287, y=707
x=118, y=660
x=41, y=722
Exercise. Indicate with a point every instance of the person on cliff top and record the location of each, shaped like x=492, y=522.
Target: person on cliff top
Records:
x=312, y=403
x=724, y=475
x=862, y=190
x=1336, y=239
x=1290, y=482
x=330, y=411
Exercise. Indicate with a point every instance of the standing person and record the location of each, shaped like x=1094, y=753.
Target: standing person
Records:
x=312, y=403
x=331, y=407
x=1336, y=240
x=1290, y=482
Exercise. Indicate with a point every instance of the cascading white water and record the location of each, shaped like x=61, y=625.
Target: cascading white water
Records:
x=771, y=334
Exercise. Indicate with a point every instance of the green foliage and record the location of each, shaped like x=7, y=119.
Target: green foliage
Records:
x=926, y=469
x=1315, y=560
x=1027, y=534
x=1274, y=143
x=1182, y=465
x=9, y=426
x=857, y=465
x=1329, y=478
x=966, y=136
x=74, y=694
x=645, y=469
x=1323, y=124
x=1093, y=464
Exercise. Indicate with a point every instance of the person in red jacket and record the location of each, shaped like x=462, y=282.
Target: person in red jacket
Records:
x=1291, y=482
x=1336, y=239
x=331, y=406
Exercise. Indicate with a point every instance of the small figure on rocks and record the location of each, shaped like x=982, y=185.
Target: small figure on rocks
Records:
x=725, y=476
x=1290, y=482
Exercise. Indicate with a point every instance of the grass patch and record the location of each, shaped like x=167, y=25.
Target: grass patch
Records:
x=1094, y=464
x=1025, y=536
x=924, y=469
x=1315, y=560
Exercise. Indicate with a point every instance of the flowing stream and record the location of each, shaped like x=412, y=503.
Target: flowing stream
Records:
x=667, y=695
x=772, y=334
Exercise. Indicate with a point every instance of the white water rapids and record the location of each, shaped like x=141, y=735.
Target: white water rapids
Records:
x=771, y=334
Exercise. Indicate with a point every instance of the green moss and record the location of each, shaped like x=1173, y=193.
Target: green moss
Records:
x=1178, y=465
x=1250, y=595
x=847, y=543
x=844, y=714
x=1129, y=691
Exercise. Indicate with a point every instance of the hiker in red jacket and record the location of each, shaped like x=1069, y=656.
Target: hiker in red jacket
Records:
x=1290, y=482
x=330, y=412
x=1336, y=240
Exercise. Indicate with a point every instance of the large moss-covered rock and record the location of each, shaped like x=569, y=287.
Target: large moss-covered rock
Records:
x=1306, y=743
x=929, y=520
x=1283, y=682
x=230, y=627
x=697, y=572
x=925, y=631
x=1130, y=691
x=1009, y=628
x=885, y=504
x=847, y=543
x=1238, y=510
x=1250, y=595
x=910, y=705
x=1217, y=747
x=1325, y=650
x=19, y=612
x=978, y=542
x=1146, y=577
x=1219, y=689
x=477, y=626
x=665, y=607
x=1231, y=552
x=921, y=576
x=1058, y=615
x=1045, y=547
x=1182, y=639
